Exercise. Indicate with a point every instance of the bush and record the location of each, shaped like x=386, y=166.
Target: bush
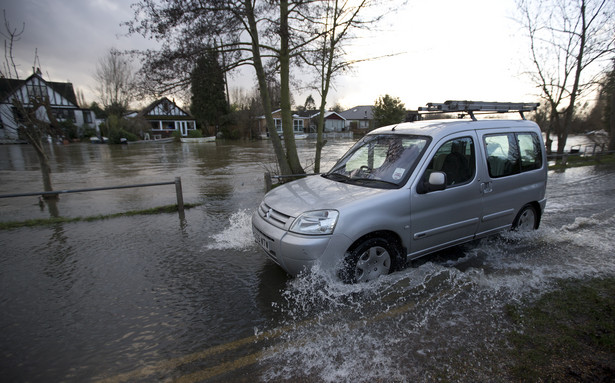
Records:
x=70, y=129
x=116, y=135
x=177, y=135
x=195, y=133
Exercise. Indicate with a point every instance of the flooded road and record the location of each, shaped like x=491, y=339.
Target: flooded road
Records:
x=155, y=297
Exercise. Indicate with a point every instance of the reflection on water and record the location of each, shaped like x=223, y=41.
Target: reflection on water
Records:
x=153, y=296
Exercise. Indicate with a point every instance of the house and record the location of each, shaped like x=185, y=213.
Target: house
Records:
x=299, y=123
x=360, y=117
x=166, y=118
x=334, y=122
x=61, y=96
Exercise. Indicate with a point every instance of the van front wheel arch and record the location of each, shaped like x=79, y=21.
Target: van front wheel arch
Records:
x=369, y=259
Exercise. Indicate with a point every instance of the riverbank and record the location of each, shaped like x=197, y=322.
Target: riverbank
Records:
x=577, y=161
x=568, y=335
x=56, y=220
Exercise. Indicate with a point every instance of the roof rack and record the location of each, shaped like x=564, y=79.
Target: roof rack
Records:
x=470, y=107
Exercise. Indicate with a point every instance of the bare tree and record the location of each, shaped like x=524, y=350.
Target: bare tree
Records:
x=569, y=41
x=267, y=35
x=30, y=106
x=608, y=90
x=337, y=20
x=115, y=82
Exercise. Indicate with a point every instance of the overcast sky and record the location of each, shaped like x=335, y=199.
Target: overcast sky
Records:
x=470, y=49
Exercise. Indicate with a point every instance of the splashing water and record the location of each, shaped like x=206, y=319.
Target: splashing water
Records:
x=237, y=236
x=444, y=317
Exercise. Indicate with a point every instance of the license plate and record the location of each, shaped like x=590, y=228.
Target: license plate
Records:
x=261, y=240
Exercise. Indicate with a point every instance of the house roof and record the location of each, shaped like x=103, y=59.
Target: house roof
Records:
x=9, y=86
x=314, y=112
x=295, y=115
x=170, y=105
x=361, y=112
x=334, y=115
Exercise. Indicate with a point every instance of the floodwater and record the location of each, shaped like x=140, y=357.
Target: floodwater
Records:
x=156, y=297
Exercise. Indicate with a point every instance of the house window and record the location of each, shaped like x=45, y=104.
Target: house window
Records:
x=278, y=125
x=298, y=126
x=36, y=90
x=64, y=114
x=87, y=117
x=18, y=115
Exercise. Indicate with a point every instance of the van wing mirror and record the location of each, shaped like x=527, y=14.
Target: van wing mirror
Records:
x=436, y=181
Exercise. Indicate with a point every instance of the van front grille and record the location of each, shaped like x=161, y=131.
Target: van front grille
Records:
x=273, y=216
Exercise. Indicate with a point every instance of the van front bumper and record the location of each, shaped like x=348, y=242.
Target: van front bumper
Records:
x=297, y=253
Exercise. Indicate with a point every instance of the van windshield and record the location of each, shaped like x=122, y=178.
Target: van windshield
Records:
x=383, y=160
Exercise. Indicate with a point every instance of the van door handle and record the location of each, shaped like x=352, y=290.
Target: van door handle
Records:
x=485, y=187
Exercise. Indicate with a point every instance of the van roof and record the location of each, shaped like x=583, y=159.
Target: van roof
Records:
x=444, y=127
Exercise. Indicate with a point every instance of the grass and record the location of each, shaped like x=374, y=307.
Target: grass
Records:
x=568, y=335
x=56, y=220
x=577, y=161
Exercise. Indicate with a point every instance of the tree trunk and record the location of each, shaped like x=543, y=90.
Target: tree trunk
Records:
x=264, y=91
x=561, y=143
x=287, y=119
x=612, y=118
x=45, y=168
x=325, y=82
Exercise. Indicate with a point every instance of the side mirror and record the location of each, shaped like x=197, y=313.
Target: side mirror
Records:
x=437, y=181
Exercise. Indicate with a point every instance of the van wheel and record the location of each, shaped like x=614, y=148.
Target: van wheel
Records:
x=526, y=220
x=369, y=260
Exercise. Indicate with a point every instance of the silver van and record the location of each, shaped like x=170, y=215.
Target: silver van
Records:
x=407, y=190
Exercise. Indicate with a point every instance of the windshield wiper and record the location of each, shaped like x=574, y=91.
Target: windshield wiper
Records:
x=364, y=181
x=336, y=177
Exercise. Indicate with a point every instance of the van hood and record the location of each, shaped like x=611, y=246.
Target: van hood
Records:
x=316, y=193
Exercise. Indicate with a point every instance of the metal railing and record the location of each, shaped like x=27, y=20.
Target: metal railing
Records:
x=177, y=183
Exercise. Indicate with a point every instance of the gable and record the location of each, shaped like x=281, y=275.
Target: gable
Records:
x=333, y=116
x=163, y=108
x=59, y=94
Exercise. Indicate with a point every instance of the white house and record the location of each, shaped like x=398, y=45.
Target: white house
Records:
x=166, y=118
x=62, y=100
x=299, y=123
x=334, y=122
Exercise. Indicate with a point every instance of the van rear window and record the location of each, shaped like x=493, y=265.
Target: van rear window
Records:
x=512, y=153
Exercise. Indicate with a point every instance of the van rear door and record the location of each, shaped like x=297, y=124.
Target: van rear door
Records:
x=512, y=174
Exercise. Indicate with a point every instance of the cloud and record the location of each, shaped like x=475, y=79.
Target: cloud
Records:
x=452, y=49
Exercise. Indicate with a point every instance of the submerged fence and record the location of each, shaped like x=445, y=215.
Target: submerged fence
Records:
x=177, y=183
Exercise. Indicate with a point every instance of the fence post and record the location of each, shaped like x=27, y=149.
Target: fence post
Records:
x=180, y=197
x=268, y=185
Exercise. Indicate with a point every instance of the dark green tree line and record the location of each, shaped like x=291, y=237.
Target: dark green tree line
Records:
x=209, y=102
x=388, y=111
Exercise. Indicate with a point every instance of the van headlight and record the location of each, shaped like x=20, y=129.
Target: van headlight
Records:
x=315, y=222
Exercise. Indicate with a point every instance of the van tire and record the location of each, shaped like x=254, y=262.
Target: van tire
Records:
x=370, y=259
x=526, y=220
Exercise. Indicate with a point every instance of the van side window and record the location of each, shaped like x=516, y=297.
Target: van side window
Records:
x=511, y=153
x=531, y=153
x=456, y=158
